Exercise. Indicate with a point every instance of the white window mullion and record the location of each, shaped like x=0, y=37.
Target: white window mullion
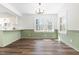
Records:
x=44, y=25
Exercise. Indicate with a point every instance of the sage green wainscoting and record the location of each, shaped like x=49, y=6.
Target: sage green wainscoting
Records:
x=9, y=36
x=1, y=37
x=71, y=39
x=31, y=34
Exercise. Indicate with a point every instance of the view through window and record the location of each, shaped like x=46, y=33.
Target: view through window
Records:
x=44, y=24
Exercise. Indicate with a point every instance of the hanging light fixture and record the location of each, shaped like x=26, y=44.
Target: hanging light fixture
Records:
x=39, y=10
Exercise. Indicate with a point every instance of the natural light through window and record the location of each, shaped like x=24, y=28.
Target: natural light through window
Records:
x=4, y=23
x=43, y=24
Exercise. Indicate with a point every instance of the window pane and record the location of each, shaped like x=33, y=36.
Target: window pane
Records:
x=44, y=23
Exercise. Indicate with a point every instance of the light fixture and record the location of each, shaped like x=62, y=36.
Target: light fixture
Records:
x=39, y=10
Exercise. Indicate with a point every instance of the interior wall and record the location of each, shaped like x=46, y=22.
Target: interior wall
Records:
x=27, y=21
x=73, y=16
x=12, y=18
x=71, y=38
x=70, y=12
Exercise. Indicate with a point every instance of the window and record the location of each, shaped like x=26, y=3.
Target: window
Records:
x=4, y=23
x=62, y=25
x=44, y=24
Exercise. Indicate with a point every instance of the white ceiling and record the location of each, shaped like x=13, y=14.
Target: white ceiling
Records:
x=3, y=9
x=30, y=8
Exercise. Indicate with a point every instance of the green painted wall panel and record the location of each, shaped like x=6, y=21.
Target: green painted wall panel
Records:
x=71, y=38
x=1, y=37
x=9, y=36
x=32, y=34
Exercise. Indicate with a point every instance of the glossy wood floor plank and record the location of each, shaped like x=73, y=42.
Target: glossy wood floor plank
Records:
x=37, y=47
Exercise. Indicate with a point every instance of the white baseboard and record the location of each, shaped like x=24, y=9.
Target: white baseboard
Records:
x=70, y=45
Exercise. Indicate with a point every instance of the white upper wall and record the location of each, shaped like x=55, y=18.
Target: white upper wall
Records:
x=27, y=21
x=70, y=12
x=13, y=20
x=73, y=16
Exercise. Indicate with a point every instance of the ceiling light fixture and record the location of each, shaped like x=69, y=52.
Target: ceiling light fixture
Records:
x=39, y=10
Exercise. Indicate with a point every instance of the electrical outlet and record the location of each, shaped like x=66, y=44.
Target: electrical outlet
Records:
x=71, y=41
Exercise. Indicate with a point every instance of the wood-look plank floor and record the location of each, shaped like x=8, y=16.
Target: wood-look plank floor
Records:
x=37, y=47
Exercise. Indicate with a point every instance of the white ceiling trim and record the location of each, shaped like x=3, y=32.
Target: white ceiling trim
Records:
x=11, y=8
